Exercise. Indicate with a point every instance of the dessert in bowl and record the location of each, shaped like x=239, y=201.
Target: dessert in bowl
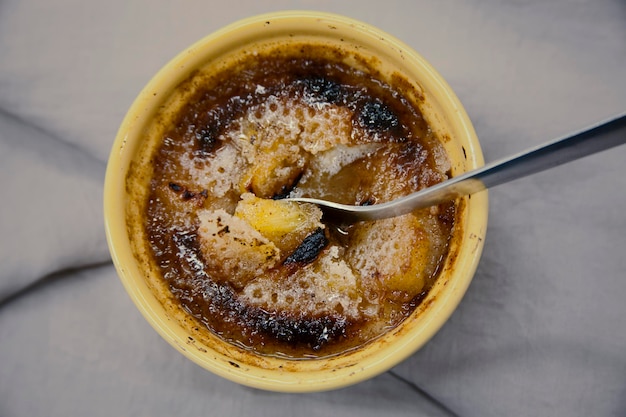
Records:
x=270, y=293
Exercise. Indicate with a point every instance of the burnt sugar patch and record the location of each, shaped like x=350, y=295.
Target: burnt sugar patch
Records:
x=377, y=116
x=309, y=249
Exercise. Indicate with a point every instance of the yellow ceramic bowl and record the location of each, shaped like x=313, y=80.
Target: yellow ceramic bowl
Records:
x=442, y=110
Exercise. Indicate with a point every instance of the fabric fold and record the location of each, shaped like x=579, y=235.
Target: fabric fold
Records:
x=51, y=217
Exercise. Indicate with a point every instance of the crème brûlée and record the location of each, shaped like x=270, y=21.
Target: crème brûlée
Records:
x=277, y=277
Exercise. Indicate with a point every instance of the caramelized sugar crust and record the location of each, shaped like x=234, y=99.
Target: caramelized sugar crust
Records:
x=276, y=277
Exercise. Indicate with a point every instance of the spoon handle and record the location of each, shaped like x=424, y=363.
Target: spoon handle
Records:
x=596, y=138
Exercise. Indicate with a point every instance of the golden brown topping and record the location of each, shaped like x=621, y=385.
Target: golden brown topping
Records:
x=233, y=248
x=284, y=223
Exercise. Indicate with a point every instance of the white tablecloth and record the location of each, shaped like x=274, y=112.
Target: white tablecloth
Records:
x=542, y=329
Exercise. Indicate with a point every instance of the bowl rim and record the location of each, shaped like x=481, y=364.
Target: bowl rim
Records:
x=144, y=107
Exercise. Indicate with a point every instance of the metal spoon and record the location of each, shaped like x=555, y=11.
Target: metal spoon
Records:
x=596, y=138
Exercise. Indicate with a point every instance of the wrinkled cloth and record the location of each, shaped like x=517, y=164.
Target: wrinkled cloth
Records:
x=541, y=330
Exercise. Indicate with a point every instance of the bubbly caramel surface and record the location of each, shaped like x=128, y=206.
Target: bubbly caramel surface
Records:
x=276, y=277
